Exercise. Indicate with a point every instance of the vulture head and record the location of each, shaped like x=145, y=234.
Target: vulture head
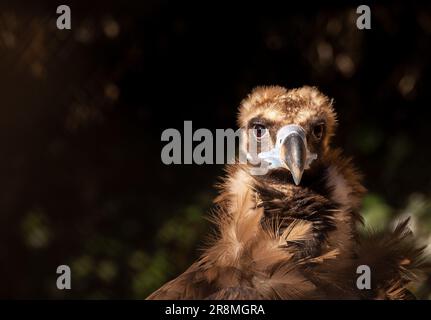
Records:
x=289, y=129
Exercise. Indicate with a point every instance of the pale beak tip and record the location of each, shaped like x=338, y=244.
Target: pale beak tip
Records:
x=297, y=176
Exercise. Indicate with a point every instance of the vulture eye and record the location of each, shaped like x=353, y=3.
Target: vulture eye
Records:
x=259, y=130
x=318, y=131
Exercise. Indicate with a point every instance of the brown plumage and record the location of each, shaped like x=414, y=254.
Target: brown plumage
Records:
x=279, y=240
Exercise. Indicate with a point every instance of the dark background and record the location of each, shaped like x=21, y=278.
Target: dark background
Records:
x=82, y=111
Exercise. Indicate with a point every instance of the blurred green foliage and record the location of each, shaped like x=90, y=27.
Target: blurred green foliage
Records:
x=147, y=267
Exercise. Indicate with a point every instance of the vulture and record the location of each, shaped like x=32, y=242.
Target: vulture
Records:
x=295, y=231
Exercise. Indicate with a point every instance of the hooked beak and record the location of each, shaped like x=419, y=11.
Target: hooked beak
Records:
x=293, y=153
